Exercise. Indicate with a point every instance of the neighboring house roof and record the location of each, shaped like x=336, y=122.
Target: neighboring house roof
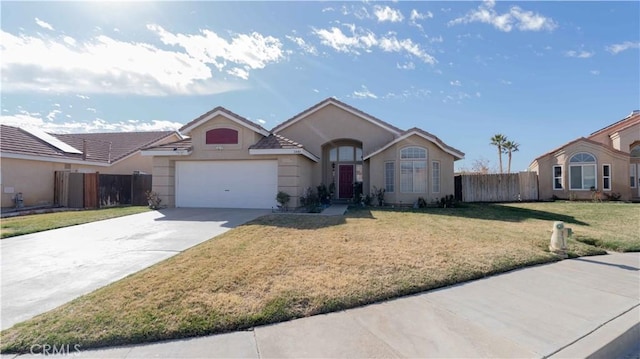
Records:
x=632, y=119
x=179, y=148
x=92, y=148
x=457, y=154
x=277, y=144
x=186, y=129
x=342, y=105
x=583, y=139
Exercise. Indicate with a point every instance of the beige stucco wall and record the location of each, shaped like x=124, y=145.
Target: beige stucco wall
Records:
x=331, y=124
x=619, y=171
x=294, y=171
x=623, y=140
x=434, y=153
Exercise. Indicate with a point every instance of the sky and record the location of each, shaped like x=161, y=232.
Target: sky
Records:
x=541, y=73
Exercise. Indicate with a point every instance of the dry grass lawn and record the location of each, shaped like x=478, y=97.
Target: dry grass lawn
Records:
x=281, y=267
x=19, y=225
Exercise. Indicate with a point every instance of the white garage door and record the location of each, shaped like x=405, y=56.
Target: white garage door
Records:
x=226, y=184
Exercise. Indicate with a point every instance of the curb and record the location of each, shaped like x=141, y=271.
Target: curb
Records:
x=614, y=339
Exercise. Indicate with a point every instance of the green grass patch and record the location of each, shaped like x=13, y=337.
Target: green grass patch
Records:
x=281, y=267
x=19, y=225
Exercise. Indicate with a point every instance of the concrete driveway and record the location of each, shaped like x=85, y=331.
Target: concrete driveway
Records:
x=44, y=270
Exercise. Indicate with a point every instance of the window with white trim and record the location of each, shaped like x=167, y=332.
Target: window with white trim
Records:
x=389, y=177
x=582, y=171
x=606, y=177
x=435, y=177
x=413, y=170
x=557, y=177
x=632, y=175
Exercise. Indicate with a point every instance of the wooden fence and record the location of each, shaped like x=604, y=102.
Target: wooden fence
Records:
x=94, y=190
x=512, y=187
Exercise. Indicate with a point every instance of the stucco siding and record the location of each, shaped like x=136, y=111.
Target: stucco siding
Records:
x=332, y=123
x=619, y=172
x=204, y=151
x=434, y=153
x=34, y=179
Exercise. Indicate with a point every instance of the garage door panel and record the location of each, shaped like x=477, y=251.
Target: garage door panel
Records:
x=226, y=184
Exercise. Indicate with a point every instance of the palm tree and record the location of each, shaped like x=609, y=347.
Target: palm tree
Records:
x=499, y=140
x=509, y=147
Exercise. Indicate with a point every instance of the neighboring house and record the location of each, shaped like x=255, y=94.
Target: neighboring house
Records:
x=31, y=157
x=607, y=161
x=229, y=161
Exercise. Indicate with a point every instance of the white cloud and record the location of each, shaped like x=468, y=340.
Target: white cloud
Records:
x=582, y=54
x=252, y=51
x=406, y=66
x=416, y=15
x=412, y=92
x=239, y=72
x=506, y=82
x=436, y=39
x=616, y=48
x=521, y=19
x=365, y=40
x=328, y=9
x=44, y=24
x=51, y=116
x=82, y=97
x=594, y=72
x=25, y=119
x=102, y=64
x=308, y=48
x=455, y=83
x=385, y=13
x=261, y=121
x=364, y=93
x=91, y=109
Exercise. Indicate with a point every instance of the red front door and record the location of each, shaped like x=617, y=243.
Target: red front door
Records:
x=345, y=181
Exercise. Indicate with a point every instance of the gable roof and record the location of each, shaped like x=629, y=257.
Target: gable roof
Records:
x=341, y=105
x=92, y=148
x=632, y=119
x=183, y=147
x=186, y=129
x=580, y=139
x=457, y=154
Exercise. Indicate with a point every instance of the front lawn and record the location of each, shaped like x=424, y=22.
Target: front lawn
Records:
x=19, y=225
x=280, y=267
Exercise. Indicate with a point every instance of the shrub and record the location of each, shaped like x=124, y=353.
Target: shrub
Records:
x=153, y=198
x=283, y=199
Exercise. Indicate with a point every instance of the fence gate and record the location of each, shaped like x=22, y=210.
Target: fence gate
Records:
x=511, y=187
x=140, y=184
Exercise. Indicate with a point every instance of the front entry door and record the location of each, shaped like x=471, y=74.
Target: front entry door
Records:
x=345, y=181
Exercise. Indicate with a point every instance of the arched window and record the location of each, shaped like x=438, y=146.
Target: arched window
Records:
x=221, y=136
x=635, y=151
x=413, y=170
x=582, y=171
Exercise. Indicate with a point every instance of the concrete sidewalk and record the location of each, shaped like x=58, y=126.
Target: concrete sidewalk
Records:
x=573, y=308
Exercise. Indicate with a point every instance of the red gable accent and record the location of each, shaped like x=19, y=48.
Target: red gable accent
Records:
x=222, y=136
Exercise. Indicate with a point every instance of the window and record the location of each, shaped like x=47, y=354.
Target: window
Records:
x=389, y=177
x=333, y=154
x=435, y=177
x=635, y=151
x=606, y=177
x=582, y=172
x=413, y=174
x=345, y=153
x=632, y=174
x=557, y=177
x=221, y=136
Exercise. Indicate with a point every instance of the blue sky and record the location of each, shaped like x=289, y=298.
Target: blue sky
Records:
x=542, y=73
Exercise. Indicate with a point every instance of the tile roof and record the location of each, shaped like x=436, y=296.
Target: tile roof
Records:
x=186, y=144
x=224, y=110
x=338, y=102
x=275, y=141
x=100, y=147
x=630, y=120
x=438, y=140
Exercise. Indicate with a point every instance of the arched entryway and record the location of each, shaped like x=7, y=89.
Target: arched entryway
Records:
x=343, y=167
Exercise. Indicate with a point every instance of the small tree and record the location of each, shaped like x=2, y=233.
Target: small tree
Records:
x=283, y=199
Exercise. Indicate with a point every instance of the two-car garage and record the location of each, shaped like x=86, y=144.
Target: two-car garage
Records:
x=226, y=184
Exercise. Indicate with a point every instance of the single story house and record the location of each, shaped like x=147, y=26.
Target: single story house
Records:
x=30, y=158
x=231, y=162
x=607, y=161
